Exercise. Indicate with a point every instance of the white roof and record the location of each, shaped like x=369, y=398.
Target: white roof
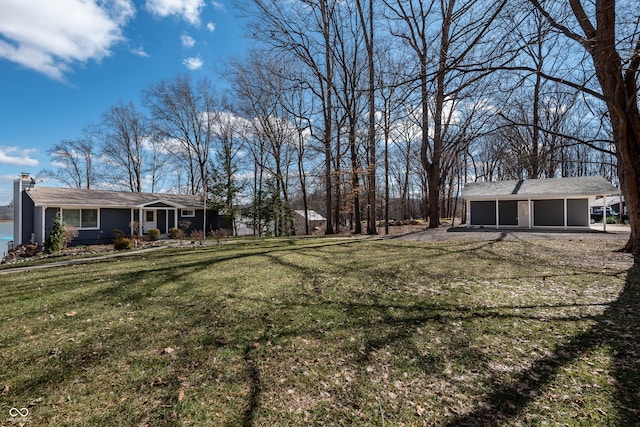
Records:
x=312, y=215
x=556, y=187
x=610, y=200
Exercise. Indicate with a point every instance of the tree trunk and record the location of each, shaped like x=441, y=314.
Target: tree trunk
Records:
x=620, y=91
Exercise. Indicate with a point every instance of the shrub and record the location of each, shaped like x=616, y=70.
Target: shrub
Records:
x=197, y=235
x=221, y=233
x=613, y=219
x=55, y=240
x=121, y=243
x=153, y=234
x=68, y=234
x=175, y=233
x=184, y=225
x=118, y=233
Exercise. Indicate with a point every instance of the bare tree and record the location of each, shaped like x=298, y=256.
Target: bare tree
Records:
x=615, y=52
x=366, y=21
x=73, y=159
x=185, y=114
x=123, y=131
x=457, y=29
x=262, y=87
x=304, y=30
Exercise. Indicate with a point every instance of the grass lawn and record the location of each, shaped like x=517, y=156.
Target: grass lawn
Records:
x=324, y=331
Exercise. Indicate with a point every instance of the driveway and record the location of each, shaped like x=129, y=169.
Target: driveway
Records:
x=614, y=232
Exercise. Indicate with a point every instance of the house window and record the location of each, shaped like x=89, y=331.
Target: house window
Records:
x=80, y=218
x=150, y=216
x=188, y=212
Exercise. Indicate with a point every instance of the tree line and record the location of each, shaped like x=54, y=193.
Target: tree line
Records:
x=369, y=111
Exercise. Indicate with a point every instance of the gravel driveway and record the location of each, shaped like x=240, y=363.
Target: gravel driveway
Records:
x=614, y=232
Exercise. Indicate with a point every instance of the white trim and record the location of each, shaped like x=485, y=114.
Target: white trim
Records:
x=184, y=215
x=43, y=214
x=468, y=213
x=80, y=209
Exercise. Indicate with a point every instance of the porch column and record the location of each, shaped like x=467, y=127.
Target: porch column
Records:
x=43, y=224
x=131, y=223
x=604, y=214
x=565, y=212
x=497, y=215
x=529, y=206
x=140, y=233
x=468, y=213
x=175, y=217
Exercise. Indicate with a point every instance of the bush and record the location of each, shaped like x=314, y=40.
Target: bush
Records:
x=121, y=243
x=175, y=233
x=153, y=234
x=118, y=233
x=613, y=219
x=69, y=233
x=55, y=240
x=197, y=235
x=221, y=233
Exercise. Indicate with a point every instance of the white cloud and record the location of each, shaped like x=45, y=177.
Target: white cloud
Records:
x=50, y=37
x=194, y=63
x=211, y=26
x=189, y=10
x=218, y=6
x=17, y=156
x=187, y=41
x=139, y=51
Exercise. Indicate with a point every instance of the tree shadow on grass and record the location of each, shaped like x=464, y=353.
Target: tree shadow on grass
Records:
x=617, y=327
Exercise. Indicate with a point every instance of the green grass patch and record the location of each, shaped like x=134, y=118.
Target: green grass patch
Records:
x=327, y=332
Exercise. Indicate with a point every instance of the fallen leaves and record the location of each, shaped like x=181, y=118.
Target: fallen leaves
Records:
x=168, y=350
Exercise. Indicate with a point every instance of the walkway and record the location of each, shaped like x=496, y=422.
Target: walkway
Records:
x=78, y=260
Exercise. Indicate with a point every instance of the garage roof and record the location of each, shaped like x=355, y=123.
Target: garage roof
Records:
x=550, y=187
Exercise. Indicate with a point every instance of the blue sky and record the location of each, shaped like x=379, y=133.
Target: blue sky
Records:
x=64, y=62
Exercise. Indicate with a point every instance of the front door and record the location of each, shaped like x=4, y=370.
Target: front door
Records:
x=523, y=214
x=149, y=220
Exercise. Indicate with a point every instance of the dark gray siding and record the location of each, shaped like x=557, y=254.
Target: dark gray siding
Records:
x=508, y=211
x=578, y=212
x=37, y=224
x=483, y=212
x=110, y=219
x=27, y=218
x=548, y=213
x=114, y=219
x=49, y=215
x=214, y=222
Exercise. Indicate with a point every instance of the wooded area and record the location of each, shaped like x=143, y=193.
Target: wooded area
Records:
x=381, y=111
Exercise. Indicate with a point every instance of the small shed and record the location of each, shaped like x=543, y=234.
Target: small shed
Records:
x=561, y=203
x=317, y=222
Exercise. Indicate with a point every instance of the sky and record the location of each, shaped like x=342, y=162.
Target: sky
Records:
x=65, y=62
